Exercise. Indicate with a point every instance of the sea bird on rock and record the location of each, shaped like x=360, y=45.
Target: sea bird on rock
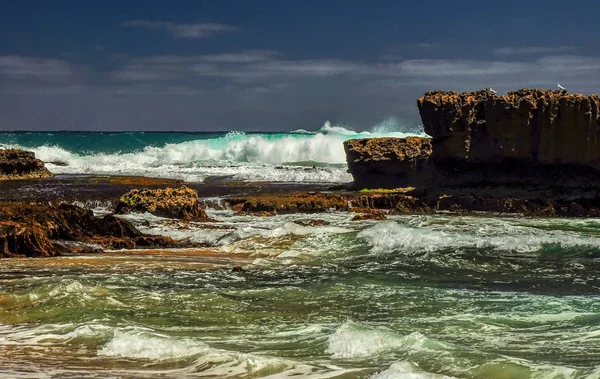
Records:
x=561, y=87
x=492, y=91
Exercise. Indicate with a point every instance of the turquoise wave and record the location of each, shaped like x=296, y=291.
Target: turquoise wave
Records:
x=195, y=156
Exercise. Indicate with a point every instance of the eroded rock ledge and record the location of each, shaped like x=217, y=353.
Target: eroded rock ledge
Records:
x=531, y=151
x=21, y=164
x=528, y=126
x=403, y=201
x=533, y=137
x=388, y=162
x=43, y=230
x=179, y=203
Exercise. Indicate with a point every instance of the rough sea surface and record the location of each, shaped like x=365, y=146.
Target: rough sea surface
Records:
x=410, y=297
x=297, y=156
x=438, y=296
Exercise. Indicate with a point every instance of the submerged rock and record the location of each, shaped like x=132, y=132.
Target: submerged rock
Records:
x=312, y=222
x=24, y=239
x=298, y=202
x=373, y=215
x=181, y=203
x=21, y=164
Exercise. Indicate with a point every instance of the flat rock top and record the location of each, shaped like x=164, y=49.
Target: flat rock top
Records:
x=525, y=94
x=389, y=148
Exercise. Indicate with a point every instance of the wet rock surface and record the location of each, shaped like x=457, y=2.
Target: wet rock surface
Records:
x=21, y=164
x=385, y=162
x=42, y=230
x=529, y=126
x=374, y=215
x=312, y=222
x=181, y=203
x=423, y=201
x=533, y=152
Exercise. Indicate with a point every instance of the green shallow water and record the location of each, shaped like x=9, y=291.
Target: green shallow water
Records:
x=411, y=297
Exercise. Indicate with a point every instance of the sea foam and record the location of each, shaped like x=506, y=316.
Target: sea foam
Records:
x=144, y=344
x=352, y=340
x=406, y=370
x=312, y=157
x=414, y=237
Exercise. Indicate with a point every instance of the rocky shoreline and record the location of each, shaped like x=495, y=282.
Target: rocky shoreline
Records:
x=529, y=153
x=534, y=138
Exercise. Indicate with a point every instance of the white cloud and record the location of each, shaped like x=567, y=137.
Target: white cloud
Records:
x=16, y=66
x=453, y=67
x=196, y=30
x=532, y=50
x=263, y=67
x=427, y=45
x=569, y=63
x=245, y=56
x=263, y=88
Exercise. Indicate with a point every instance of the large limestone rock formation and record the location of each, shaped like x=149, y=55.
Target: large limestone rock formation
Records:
x=528, y=126
x=387, y=162
x=21, y=164
x=534, y=152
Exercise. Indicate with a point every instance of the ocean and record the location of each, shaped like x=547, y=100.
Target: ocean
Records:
x=420, y=296
x=297, y=156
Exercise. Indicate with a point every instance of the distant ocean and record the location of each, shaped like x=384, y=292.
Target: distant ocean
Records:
x=295, y=156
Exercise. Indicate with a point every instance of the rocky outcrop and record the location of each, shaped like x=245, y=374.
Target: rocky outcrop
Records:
x=374, y=215
x=531, y=152
x=40, y=230
x=21, y=164
x=531, y=137
x=312, y=222
x=377, y=205
x=181, y=203
x=388, y=162
x=529, y=126
x=316, y=202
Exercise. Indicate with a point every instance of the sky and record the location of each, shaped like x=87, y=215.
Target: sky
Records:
x=274, y=65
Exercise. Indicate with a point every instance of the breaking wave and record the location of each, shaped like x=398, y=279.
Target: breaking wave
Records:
x=295, y=156
x=421, y=234
x=352, y=340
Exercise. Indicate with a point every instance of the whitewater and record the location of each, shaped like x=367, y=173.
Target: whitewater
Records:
x=297, y=156
x=440, y=296
x=430, y=296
